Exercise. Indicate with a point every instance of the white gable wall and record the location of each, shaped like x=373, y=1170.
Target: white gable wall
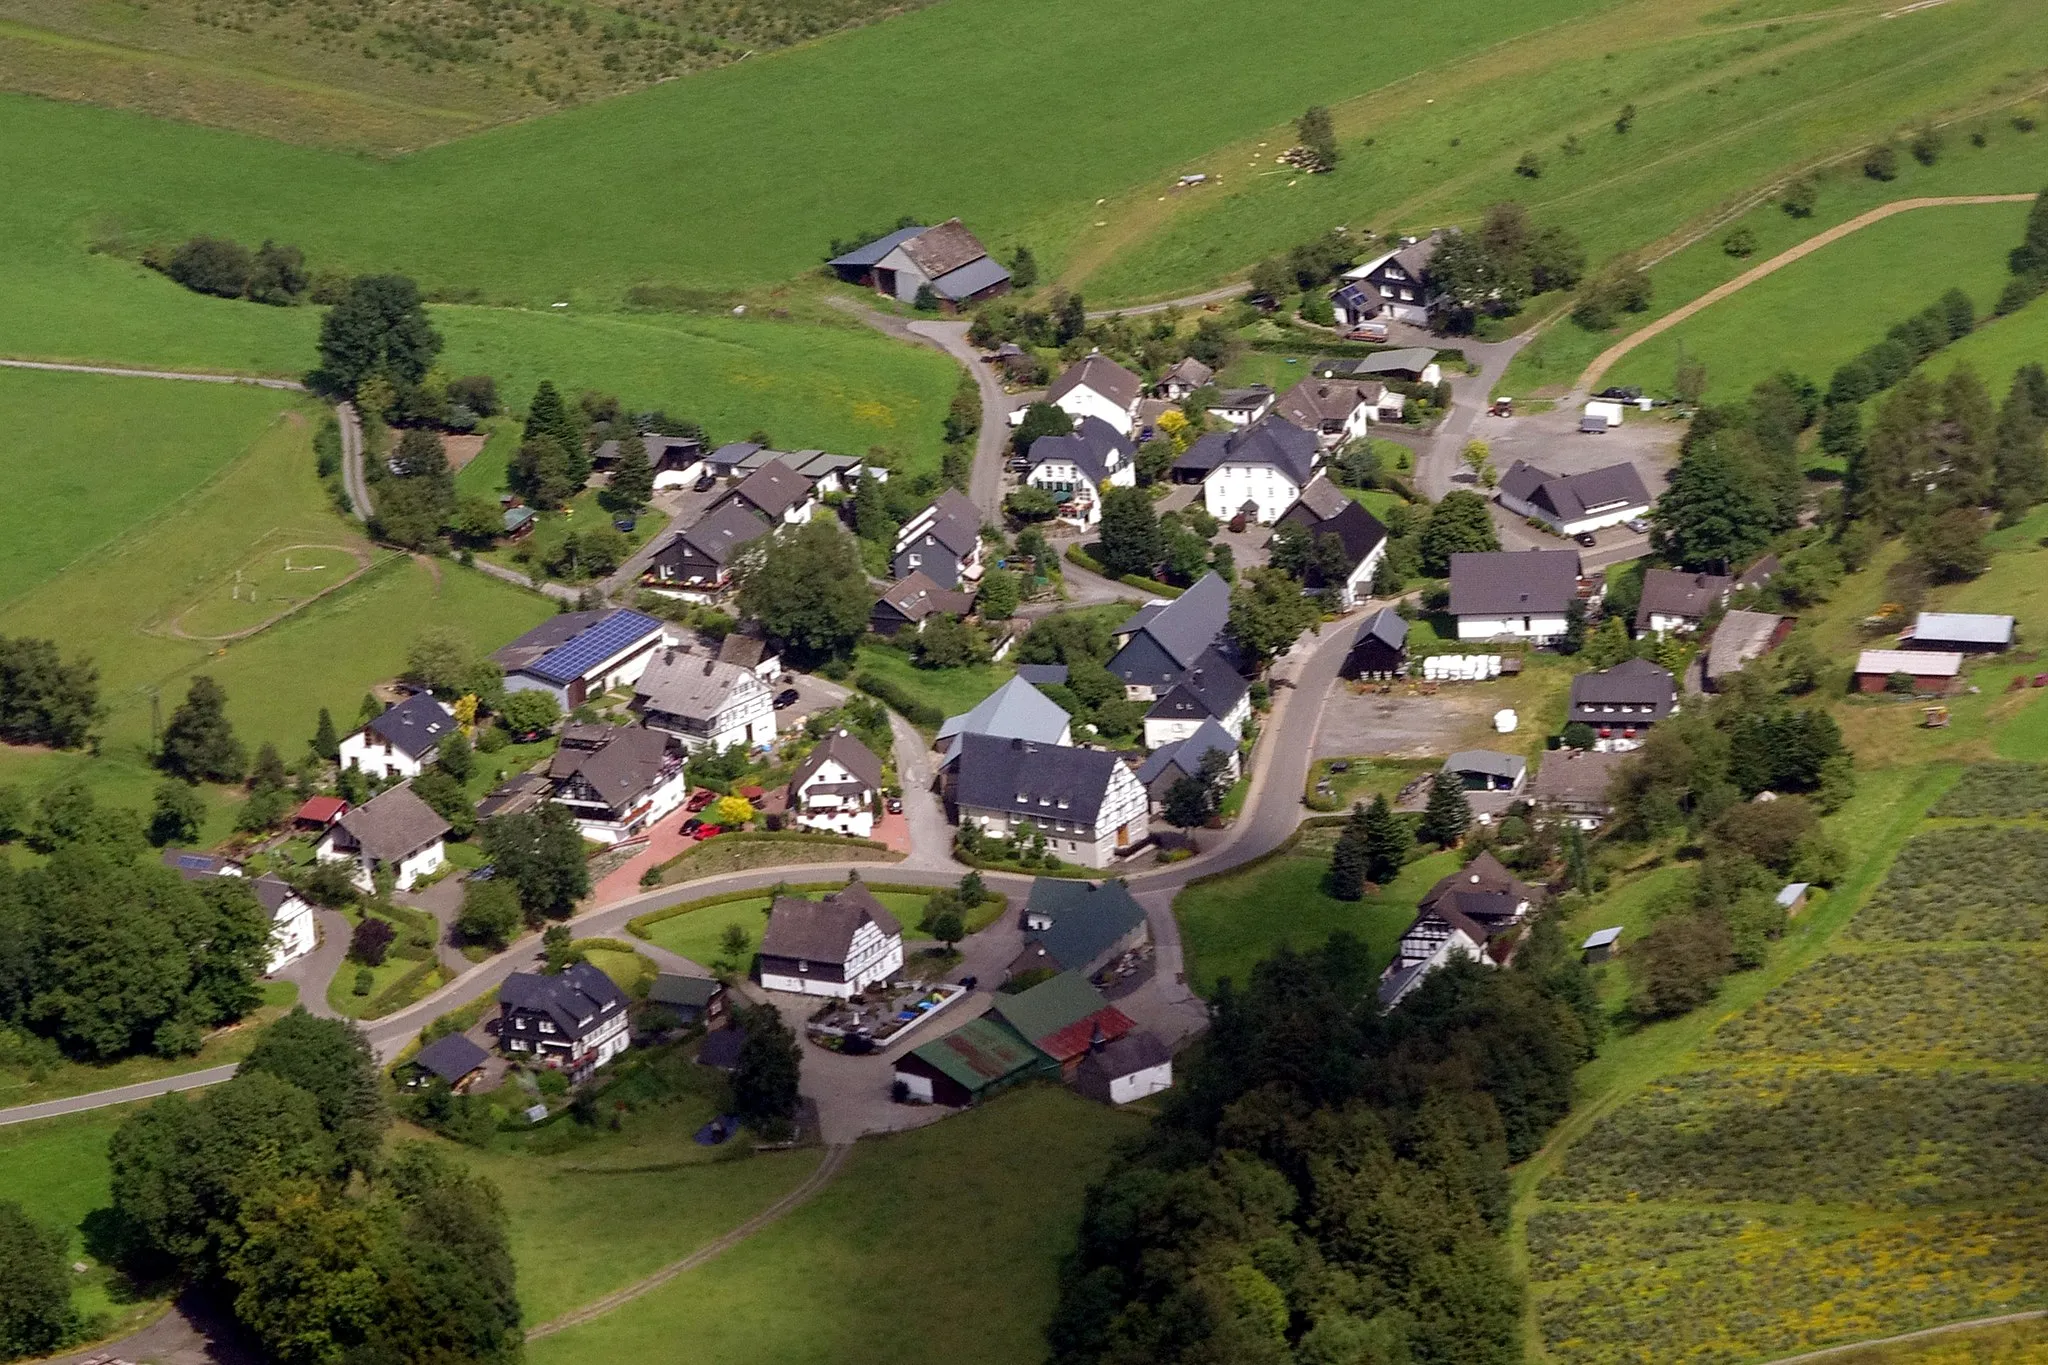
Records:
x=1231, y=485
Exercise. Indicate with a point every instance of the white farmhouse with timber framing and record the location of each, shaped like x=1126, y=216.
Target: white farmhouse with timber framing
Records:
x=837, y=946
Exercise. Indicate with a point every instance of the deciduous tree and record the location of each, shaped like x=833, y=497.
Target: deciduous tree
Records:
x=805, y=585
x=199, y=743
x=380, y=326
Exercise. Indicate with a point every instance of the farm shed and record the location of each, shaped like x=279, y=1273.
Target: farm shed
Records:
x=971, y=1063
x=1600, y=944
x=1132, y=1067
x=1958, y=632
x=1381, y=651
x=1930, y=671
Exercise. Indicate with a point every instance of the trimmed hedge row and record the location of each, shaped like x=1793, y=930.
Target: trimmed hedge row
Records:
x=896, y=699
x=1130, y=580
x=639, y=924
x=1356, y=349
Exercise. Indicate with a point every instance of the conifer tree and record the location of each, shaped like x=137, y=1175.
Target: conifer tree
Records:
x=1448, y=814
x=1386, y=841
x=1347, y=860
x=326, y=744
x=199, y=743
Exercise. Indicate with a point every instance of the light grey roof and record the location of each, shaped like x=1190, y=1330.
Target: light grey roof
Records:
x=1959, y=627
x=1669, y=592
x=1386, y=626
x=1038, y=781
x=1185, y=755
x=955, y=523
x=1016, y=710
x=1314, y=400
x=1741, y=636
x=1322, y=500
x=1514, y=582
x=849, y=753
x=1408, y=359
x=1789, y=894
x=1600, y=938
x=1575, y=777
x=628, y=765
x=1095, y=447
x=1187, y=626
x=394, y=824
x=1509, y=766
x=414, y=726
x=1190, y=371
x=1920, y=663
x=822, y=931
x=1101, y=374
x=1250, y=398
x=692, y=685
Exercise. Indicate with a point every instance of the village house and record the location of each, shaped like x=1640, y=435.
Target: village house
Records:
x=1471, y=913
x=943, y=541
x=1483, y=770
x=1514, y=594
x=698, y=560
x=1395, y=285
x=316, y=813
x=824, y=471
x=1929, y=672
x=907, y=604
x=836, y=787
x=1076, y=926
x=688, y=1000
x=1162, y=640
x=1063, y=1018
x=293, y=932
x=837, y=946
x=1241, y=407
x=708, y=705
x=452, y=1059
x=1958, y=632
x=1076, y=468
x=1187, y=376
x=1338, y=412
x=1125, y=1069
x=1086, y=802
x=1380, y=652
x=1573, y=504
x=579, y=656
x=1096, y=386
x=392, y=832
x=1741, y=637
x=1622, y=703
x=1674, y=602
x=677, y=461
x=401, y=742
x=948, y=258
x=968, y=1065
x=1210, y=693
x=617, y=780
x=748, y=647
x=1258, y=471
x=1016, y=710
x=573, y=1022
x=1324, y=510
x=775, y=493
x=1572, y=785
x=1170, y=762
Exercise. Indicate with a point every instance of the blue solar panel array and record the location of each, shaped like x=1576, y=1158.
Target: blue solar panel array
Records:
x=601, y=641
x=194, y=862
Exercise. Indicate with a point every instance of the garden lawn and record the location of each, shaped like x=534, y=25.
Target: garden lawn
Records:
x=949, y=690
x=1828, y=307
x=696, y=933
x=57, y=1170
x=885, y=1245
x=1229, y=925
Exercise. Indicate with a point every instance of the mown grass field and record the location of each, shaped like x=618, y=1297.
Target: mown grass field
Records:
x=951, y=1233
x=1998, y=348
x=57, y=1171
x=1826, y=308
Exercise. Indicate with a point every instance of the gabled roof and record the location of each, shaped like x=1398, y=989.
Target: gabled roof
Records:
x=1356, y=529
x=1386, y=626
x=320, y=810
x=979, y=1054
x=746, y=647
x=627, y=766
x=955, y=523
x=1407, y=359
x=1571, y=496
x=692, y=685
x=1209, y=690
x=1250, y=398
x=1601, y=938
x=1514, y=582
x=1041, y=781
x=1489, y=762
x=1187, y=626
x=1096, y=448
x=1575, y=777
x=394, y=824
x=1668, y=592
x=1098, y=372
x=451, y=1057
x=940, y=250
x=562, y=648
x=720, y=533
x=1016, y=710
x=1059, y=1017
x=273, y=892
x=1184, y=756
x=415, y=726
x=1921, y=663
x=849, y=753
x=916, y=596
x=1314, y=401
x=1319, y=501
x=1086, y=918
x=1634, y=682
x=1412, y=257
x=578, y=1000
x=674, y=988
x=1271, y=441
x=1483, y=874
x=1189, y=371
x=970, y=279
x=874, y=251
x=774, y=488
x=1741, y=636
x=1958, y=627
x=823, y=930
x=1127, y=1056
x=1043, y=675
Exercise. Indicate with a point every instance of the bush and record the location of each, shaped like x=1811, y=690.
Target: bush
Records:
x=371, y=941
x=212, y=265
x=365, y=981
x=1881, y=163
x=1678, y=965
x=911, y=709
x=1740, y=242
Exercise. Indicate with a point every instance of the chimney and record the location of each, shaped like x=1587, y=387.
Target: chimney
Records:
x=1017, y=745
x=710, y=665
x=1096, y=1041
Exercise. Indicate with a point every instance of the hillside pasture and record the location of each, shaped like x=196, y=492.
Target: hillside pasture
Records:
x=57, y=1170
x=1998, y=348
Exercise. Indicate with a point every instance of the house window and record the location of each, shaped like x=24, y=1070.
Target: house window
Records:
x=546, y=1027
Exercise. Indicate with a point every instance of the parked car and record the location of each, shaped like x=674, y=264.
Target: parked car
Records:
x=786, y=699
x=1587, y=539
x=484, y=873
x=706, y=482
x=701, y=798
x=691, y=826
x=703, y=832
x=1640, y=525
x=1367, y=331
x=1626, y=393
x=895, y=805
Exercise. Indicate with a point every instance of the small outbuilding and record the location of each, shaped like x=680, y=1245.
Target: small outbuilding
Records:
x=1931, y=671
x=1792, y=899
x=1132, y=1067
x=1381, y=651
x=971, y=1063
x=689, y=1000
x=454, y=1059
x=1601, y=944
x=1959, y=632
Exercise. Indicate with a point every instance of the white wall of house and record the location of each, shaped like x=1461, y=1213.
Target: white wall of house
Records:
x=1231, y=485
x=1664, y=623
x=419, y=864
x=680, y=478
x=663, y=798
x=1242, y=417
x=1123, y=822
x=1139, y=1084
x=622, y=669
x=1358, y=586
x=747, y=718
x=834, y=813
x=1536, y=629
x=909, y=279
x=1165, y=730
x=1065, y=481
x=872, y=956
x=379, y=757
x=293, y=934
x=1592, y=521
x=1082, y=401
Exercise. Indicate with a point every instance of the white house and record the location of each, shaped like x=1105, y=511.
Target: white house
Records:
x=837, y=946
x=1086, y=802
x=293, y=932
x=834, y=789
x=395, y=832
x=1125, y=1069
x=617, y=780
x=1337, y=411
x=1575, y=503
x=402, y=741
x=1395, y=285
x=579, y=656
x=1514, y=594
x=1260, y=470
x=1210, y=691
x=706, y=704
x=1076, y=469
x=943, y=540
x=1187, y=376
x=1241, y=407
x=1676, y=602
x=1096, y=386
x=1324, y=510
x=576, y=1021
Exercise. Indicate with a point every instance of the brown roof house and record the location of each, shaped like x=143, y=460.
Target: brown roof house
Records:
x=1472, y=913
x=1741, y=637
x=1572, y=785
x=1514, y=594
x=947, y=258
x=1096, y=386
x=617, y=780
x=393, y=832
x=834, y=789
x=1187, y=375
x=907, y=604
x=1338, y=411
x=1676, y=602
x=775, y=493
x=837, y=946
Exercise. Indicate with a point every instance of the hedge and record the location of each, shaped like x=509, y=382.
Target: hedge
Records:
x=640, y=924
x=771, y=836
x=1129, y=580
x=398, y=994
x=1358, y=349
x=894, y=697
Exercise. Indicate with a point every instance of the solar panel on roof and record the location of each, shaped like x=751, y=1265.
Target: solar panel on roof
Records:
x=600, y=642
x=194, y=862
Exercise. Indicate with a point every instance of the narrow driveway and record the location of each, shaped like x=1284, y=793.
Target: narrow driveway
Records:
x=352, y=480
x=561, y=592
x=193, y=376
x=312, y=973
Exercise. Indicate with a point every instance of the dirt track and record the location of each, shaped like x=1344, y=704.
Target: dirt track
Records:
x=1607, y=358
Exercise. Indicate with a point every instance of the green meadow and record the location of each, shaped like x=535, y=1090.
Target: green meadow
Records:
x=57, y=1171
x=1827, y=307
x=1998, y=348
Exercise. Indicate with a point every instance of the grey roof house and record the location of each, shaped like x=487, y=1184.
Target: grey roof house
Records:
x=392, y=832
x=620, y=780
x=1961, y=631
x=1381, y=649
x=700, y=557
x=1161, y=641
x=1676, y=601
x=911, y=601
x=1622, y=703
x=1574, y=503
x=1522, y=594
x=1180, y=758
x=575, y=1021
x=1086, y=802
x=1077, y=926
x=948, y=258
x=943, y=540
x=1016, y=710
x=774, y=492
x=1741, y=637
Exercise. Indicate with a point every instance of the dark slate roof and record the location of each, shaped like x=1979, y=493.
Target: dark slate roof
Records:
x=774, y=488
x=628, y=764
x=1571, y=496
x=957, y=523
x=1483, y=873
x=849, y=752
x=1514, y=582
x=1207, y=691
x=722, y=531
x=1091, y=447
x=414, y=726
x=272, y=891
x=1358, y=530
x=1103, y=375
x=1273, y=441
x=1637, y=682
x=1386, y=626
x=1044, y=781
x=873, y=252
x=562, y=648
x=1185, y=756
x=393, y=824
x=970, y=279
x=451, y=1058
x=1086, y=918
x=1487, y=761
x=673, y=988
x=1188, y=625
x=1043, y=675
x=1668, y=592
x=577, y=1000
x=1127, y=1056
x=822, y=931
x=943, y=249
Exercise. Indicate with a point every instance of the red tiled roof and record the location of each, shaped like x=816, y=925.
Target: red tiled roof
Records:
x=1071, y=1041
x=321, y=810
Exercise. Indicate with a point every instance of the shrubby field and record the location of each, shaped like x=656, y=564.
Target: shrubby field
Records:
x=1990, y=790
x=1978, y=882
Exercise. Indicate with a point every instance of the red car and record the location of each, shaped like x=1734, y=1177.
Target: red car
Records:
x=707, y=832
x=700, y=798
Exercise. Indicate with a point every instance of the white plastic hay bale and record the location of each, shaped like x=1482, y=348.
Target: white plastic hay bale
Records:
x=1505, y=720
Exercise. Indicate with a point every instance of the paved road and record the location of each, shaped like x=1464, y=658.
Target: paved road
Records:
x=193, y=376
x=352, y=481
x=1830, y=1352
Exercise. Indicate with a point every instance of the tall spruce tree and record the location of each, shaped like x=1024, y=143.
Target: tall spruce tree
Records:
x=550, y=416
x=1448, y=814
x=326, y=743
x=2018, y=458
x=1347, y=861
x=1386, y=841
x=199, y=743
